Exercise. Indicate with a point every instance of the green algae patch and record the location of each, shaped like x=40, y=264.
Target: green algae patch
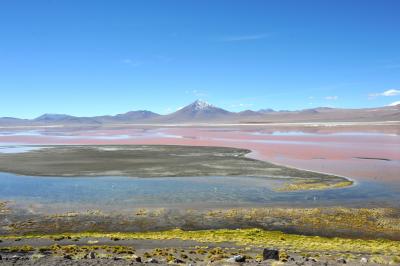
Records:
x=253, y=238
x=4, y=209
x=301, y=185
x=19, y=249
x=365, y=223
x=332, y=221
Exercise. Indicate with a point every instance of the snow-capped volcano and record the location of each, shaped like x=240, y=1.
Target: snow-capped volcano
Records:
x=198, y=110
x=200, y=105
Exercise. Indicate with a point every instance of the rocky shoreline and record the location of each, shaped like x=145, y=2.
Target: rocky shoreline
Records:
x=208, y=247
x=180, y=254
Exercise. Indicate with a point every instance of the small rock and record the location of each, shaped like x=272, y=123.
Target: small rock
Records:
x=68, y=257
x=136, y=258
x=363, y=260
x=152, y=260
x=178, y=261
x=343, y=261
x=270, y=254
x=117, y=258
x=92, y=255
x=237, y=258
x=1, y=257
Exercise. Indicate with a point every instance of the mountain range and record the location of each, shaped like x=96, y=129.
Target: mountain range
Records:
x=203, y=112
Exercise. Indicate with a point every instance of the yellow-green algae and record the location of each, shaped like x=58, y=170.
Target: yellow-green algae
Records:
x=304, y=185
x=362, y=220
x=252, y=237
x=327, y=221
x=4, y=209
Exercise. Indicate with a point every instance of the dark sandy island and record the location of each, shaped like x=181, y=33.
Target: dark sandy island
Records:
x=159, y=161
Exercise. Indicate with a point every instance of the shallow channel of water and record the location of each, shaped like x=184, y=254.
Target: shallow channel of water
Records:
x=125, y=193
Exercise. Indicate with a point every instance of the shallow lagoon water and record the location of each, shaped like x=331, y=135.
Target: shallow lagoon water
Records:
x=126, y=193
x=19, y=148
x=377, y=180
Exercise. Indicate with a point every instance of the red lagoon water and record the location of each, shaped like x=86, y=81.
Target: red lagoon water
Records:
x=358, y=155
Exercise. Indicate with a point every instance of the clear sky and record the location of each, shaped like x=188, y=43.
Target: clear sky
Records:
x=96, y=57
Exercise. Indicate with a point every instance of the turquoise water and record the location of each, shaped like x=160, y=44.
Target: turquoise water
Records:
x=124, y=193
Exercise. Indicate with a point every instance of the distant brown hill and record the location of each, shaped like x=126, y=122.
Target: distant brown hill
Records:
x=203, y=112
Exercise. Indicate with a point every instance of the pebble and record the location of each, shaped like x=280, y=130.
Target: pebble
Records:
x=152, y=260
x=237, y=258
x=343, y=261
x=68, y=257
x=178, y=261
x=363, y=260
x=136, y=258
x=92, y=255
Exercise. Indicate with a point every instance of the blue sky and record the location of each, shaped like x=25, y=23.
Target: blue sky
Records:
x=98, y=57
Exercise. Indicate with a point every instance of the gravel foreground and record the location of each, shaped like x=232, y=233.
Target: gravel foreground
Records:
x=295, y=260
x=172, y=252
